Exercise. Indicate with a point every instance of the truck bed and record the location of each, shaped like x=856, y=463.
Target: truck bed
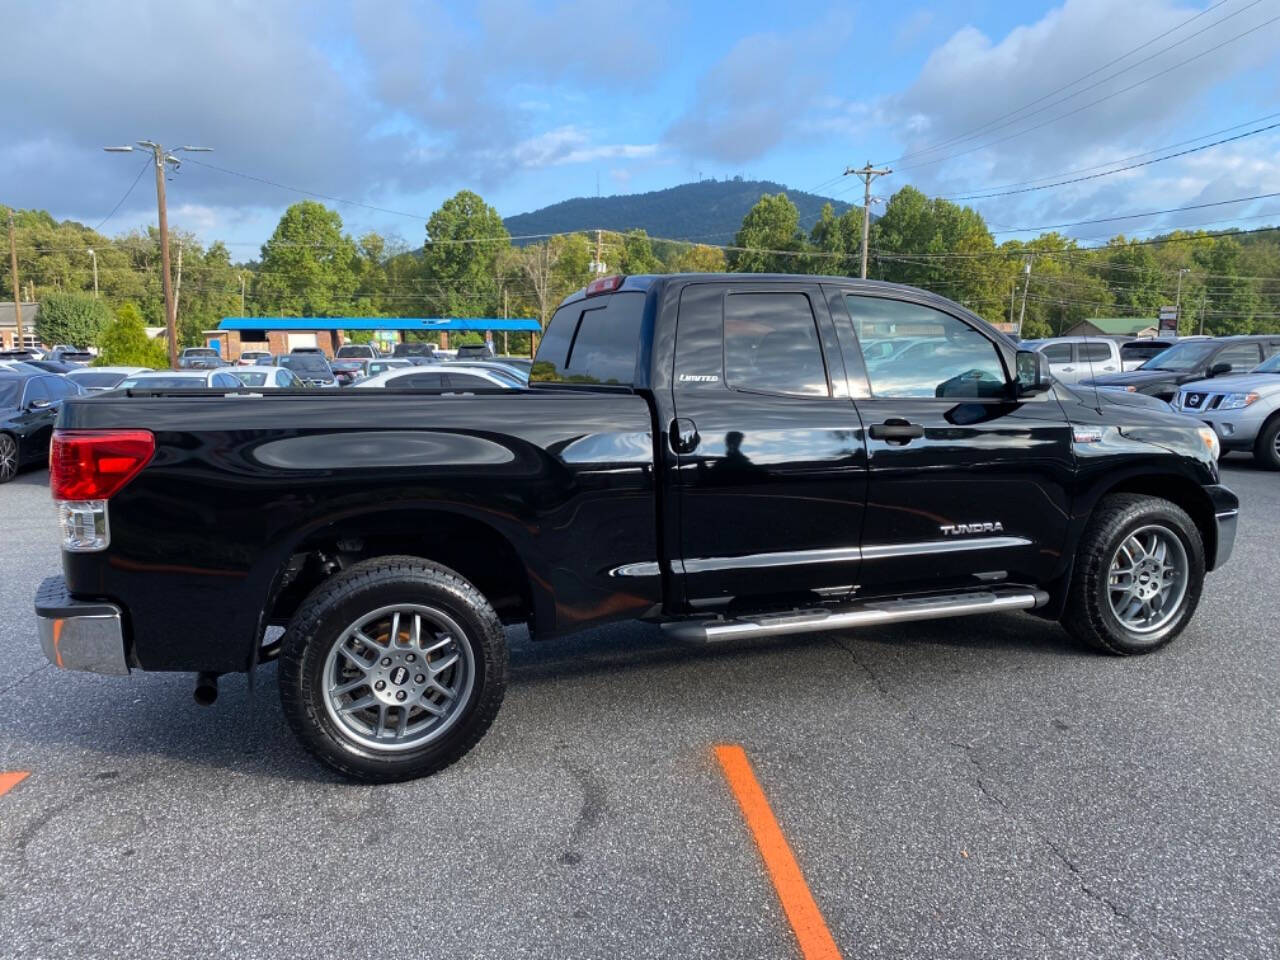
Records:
x=241, y=483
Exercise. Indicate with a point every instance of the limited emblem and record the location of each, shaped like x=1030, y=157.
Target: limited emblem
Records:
x=955, y=529
x=399, y=675
x=699, y=378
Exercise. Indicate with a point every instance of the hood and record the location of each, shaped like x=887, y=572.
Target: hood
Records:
x=1123, y=407
x=1263, y=383
x=1134, y=378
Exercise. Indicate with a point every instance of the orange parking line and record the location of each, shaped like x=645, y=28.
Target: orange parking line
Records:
x=793, y=893
x=10, y=779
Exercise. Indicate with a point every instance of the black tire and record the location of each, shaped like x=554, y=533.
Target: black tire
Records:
x=1088, y=615
x=10, y=458
x=321, y=622
x=1266, y=450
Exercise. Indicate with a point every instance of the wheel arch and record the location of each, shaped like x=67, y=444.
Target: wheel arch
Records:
x=475, y=549
x=1177, y=489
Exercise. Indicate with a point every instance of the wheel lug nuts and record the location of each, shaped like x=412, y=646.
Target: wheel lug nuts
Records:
x=419, y=678
x=401, y=695
x=411, y=658
x=386, y=661
x=380, y=685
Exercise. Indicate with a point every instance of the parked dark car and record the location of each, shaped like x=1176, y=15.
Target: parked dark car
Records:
x=197, y=358
x=66, y=354
x=1190, y=360
x=705, y=451
x=29, y=405
x=412, y=349
x=311, y=368
x=357, y=351
x=348, y=371
x=474, y=351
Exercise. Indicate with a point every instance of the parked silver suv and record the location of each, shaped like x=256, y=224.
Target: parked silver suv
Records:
x=1243, y=408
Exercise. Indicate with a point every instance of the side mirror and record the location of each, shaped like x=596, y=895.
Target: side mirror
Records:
x=1033, y=373
x=1218, y=369
x=39, y=405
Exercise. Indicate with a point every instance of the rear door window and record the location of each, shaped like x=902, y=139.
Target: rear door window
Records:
x=1058, y=352
x=1095, y=352
x=771, y=345
x=593, y=340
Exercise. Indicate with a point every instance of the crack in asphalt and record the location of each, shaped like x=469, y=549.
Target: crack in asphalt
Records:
x=967, y=750
x=23, y=679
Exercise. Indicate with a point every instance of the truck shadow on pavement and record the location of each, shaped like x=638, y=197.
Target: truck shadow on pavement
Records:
x=151, y=717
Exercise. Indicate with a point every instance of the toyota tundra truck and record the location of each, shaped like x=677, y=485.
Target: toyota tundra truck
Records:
x=712, y=453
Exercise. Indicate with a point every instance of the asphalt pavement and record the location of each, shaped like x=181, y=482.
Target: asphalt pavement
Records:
x=970, y=788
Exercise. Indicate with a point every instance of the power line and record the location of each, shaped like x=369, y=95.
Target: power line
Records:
x=1108, y=173
x=120, y=202
x=1136, y=216
x=1093, y=103
x=960, y=138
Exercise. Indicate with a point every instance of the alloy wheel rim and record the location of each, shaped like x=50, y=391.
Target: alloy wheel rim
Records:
x=8, y=458
x=1147, y=579
x=398, y=677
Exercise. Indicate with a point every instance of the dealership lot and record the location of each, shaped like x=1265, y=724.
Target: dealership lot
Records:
x=965, y=788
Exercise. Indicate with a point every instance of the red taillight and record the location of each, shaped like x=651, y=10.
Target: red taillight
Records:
x=604, y=285
x=95, y=464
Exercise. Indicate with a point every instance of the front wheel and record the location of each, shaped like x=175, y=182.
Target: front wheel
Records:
x=392, y=669
x=8, y=458
x=1138, y=575
x=1267, y=449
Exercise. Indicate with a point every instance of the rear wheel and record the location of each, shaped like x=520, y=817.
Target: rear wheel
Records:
x=1267, y=447
x=1138, y=575
x=392, y=669
x=8, y=458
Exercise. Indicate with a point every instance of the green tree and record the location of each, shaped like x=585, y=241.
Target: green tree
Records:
x=1230, y=299
x=699, y=258
x=72, y=318
x=637, y=254
x=465, y=238
x=772, y=225
x=124, y=342
x=308, y=266
x=840, y=235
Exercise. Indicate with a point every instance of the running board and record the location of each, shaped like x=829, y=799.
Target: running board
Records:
x=867, y=614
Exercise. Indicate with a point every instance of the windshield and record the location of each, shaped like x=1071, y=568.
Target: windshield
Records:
x=10, y=393
x=164, y=383
x=354, y=350
x=1182, y=356
x=252, y=378
x=200, y=352
x=96, y=379
x=306, y=363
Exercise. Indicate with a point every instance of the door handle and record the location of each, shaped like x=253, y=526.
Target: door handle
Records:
x=896, y=430
x=683, y=434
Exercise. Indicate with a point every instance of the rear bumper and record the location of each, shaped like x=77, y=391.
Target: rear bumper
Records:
x=79, y=635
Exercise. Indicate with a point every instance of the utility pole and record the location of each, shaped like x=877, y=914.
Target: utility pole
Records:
x=599, y=251
x=242, y=293
x=866, y=175
x=95, y=272
x=17, y=289
x=1013, y=295
x=1026, y=268
x=1177, y=303
x=162, y=157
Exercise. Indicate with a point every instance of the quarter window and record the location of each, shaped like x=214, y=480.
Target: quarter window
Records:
x=771, y=345
x=944, y=358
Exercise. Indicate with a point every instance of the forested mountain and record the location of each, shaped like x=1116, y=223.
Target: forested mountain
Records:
x=709, y=211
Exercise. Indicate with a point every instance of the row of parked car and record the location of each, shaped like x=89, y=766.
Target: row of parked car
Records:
x=1231, y=383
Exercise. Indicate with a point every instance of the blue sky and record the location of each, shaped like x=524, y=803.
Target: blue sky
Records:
x=398, y=105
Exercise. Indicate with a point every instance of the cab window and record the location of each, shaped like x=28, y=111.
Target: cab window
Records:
x=771, y=345
x=945, y=357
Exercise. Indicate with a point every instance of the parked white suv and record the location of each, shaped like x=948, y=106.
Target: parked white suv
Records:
x=1078, y=358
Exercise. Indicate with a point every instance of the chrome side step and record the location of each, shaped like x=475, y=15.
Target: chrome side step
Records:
x=866, y=614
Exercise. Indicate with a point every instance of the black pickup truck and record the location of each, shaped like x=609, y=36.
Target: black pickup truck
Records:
x=709, y=452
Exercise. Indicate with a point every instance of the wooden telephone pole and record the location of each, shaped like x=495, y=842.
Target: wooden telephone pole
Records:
x=866, y=175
